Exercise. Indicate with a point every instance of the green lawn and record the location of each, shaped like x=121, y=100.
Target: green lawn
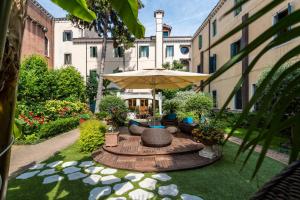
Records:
x=222, y=180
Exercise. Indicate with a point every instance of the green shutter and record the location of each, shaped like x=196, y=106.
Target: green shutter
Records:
x=140, y=51
x=200, y=41
x=91, y=52
x=147, y=51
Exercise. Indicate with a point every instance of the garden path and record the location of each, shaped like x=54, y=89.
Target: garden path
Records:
x=25, y=156
x=281, y=157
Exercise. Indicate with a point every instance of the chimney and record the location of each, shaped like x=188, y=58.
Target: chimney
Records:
x=159, y=14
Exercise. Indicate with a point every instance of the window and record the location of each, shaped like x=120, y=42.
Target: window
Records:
x=200, y=68
x=119, y=52
x=184, y=50
x=46, y=47
x=214, y=28
x=169, y=51
x=214, y=96
x=144, y=51
x=200, y=41
x=235, y=48
x=67, y=36
x=280, y=15
x=238, y=103
x=68, y=59
x=212, y=63
x=238, y=9
x=166, y=33
x=93, y=52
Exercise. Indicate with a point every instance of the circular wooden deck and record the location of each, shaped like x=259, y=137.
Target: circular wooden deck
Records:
x=130, y=154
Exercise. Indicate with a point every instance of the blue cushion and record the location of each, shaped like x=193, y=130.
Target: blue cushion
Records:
x=132, y=122
x=157, y=126
x=188, y=120
x=171, y=116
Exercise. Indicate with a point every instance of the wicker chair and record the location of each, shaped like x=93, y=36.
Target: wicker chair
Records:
x=285, y=185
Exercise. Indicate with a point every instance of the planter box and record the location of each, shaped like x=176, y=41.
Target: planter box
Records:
x=112, y=139
x=211, y=151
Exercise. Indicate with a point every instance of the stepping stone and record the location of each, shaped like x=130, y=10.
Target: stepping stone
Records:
x=166, y=198
x=37, y=166
x=28, y=175
x=148, y=183
x=122, y=188
x=47, y=172
x=190, y=197
x=69, y=164
x=140, y=194
x=76, y=175
x=92, y=179
x=117, y=198
x=98, y=192
x=168, y=190
x=54, y=164
x=86, y=164
x=70, y=170
x=106, y=180
x=108, y=171
x=162, y=177
x=93, y=170
x=134, y=177
x=52, y=179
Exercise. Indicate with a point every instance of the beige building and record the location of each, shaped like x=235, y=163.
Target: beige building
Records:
x=82, y=49
x=214, y=28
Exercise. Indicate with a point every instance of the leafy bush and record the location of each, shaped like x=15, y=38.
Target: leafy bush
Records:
x=70, y=84
x=171, y=106
x=115, y=107
x=181, y=115
x=30, y=139
x=209, y=133
x=199, y=103
x=92, y=133
x=55, y=109
x=33, y=85
x=59, y=126
x=102, y=115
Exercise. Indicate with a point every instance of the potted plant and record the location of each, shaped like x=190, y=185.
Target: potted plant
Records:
x=211, y=135
x=83, y=118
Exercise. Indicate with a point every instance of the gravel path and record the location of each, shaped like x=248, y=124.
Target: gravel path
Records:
x=25, y=156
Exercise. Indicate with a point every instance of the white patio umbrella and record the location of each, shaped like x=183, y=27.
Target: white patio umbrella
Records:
x=157, y=78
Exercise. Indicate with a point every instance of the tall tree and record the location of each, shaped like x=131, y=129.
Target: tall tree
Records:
x=12, y=15
x=108, y=23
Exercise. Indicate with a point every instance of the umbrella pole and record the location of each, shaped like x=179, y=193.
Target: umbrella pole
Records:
x=153, y=105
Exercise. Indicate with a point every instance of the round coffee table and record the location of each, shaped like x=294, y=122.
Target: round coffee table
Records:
x=156, y=137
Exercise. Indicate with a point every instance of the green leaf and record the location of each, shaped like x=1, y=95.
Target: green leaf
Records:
x=77, y=8
x=128, y=11
x=17, y=128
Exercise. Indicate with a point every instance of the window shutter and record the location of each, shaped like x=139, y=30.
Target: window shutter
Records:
x=64, y=36
x=210, y=64
x=147, y=51
x=232, y=47
x=200, y=41
x=140, y=51
x=172, y=52
x=290, y=8
x=71, y=33
x=215, y=62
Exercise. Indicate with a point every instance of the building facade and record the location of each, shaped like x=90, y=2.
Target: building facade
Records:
x=213, y=28
x=82, y=49
x=38, y=33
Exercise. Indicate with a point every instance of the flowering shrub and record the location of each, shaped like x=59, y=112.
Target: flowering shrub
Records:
x=31, y=123
x=208, y=133
x=55, y=109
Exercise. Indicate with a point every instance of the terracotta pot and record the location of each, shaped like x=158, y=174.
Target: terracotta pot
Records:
x=112, y=139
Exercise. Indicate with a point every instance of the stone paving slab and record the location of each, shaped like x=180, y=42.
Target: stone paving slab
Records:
x=25, y=156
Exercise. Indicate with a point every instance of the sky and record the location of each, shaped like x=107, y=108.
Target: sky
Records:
x=185, y=16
